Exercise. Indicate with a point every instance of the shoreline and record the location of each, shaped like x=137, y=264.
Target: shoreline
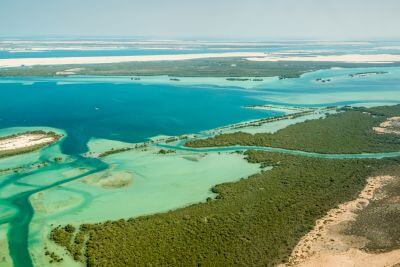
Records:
x=25, y=142
x=247, y=56
x=18, y=62
x=162, y=158
x=348, y=58
x=327, y=245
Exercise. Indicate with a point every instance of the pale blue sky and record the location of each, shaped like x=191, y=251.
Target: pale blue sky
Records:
x=221, y=19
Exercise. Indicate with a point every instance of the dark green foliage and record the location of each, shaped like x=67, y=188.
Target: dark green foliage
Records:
x=63, y=236
x=171, y=139
x=346, y=132
x=114, y=151
x=223, y=67
x=73, y=242
x=69, y=228
x=58, y=159
x=53, y=257
x=164, y=151
x=379, y=221
x=256, y=221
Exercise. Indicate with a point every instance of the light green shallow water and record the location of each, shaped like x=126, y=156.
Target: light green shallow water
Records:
x=69, y=192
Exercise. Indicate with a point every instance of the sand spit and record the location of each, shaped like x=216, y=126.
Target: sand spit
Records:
x=18, y=62
x=69, y=71
x=25, y=141
x=110, y=179
x=390, y=126
x=350, y=58
x=325, y=245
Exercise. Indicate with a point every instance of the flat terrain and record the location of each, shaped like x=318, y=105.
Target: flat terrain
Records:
x=26, y=142
x=361, y=232
x=345, y=132
x=257, y=221
x=213, y=67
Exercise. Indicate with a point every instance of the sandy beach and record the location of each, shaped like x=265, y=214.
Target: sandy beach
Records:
x=18, y=62
x=251, y=56
x=25, y=141
x=326, y=245
x=390, y=126
x=349, y=58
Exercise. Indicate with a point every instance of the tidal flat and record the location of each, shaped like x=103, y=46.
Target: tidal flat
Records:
x=83, y=189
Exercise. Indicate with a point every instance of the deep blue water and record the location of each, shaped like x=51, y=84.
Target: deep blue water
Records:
x=134, y=112
x=125, y=112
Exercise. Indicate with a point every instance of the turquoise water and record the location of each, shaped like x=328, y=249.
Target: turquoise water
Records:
x=126, y=111
x=60, y=48
x=284, y=151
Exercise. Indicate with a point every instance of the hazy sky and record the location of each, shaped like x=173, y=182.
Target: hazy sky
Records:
x=258, y=19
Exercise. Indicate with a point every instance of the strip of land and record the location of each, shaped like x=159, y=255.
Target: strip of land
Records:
x=251, y=56
x=257, y=221
x=349, y=132
x=18, y=62
x=26, y=142
x=328, y=244
x=236, y=68
x=350, y=58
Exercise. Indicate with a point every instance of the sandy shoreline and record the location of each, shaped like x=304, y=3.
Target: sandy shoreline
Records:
x=18, y=62
x=390, y=126
x=349, y=58
x=251, y=56
x=327, y=246
x=25, y=141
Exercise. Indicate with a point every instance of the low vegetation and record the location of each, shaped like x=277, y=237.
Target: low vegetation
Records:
x=114, y=151
x=350, y=131
x=225, y=67
x=14, y=152
x=379, y=221
x=256, y=221
x=166, y=151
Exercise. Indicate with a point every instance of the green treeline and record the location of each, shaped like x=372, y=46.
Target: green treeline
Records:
x=346, y=132
x=223, y=67
x=379, y=221
x=114, y=151
x=256, y=221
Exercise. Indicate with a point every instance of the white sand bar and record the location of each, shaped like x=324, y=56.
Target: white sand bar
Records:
x=349, y=58
x=25, y=141
x=18, y=62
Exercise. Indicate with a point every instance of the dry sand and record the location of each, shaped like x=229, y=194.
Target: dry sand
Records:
x=252, y=56
x=327, y=246
x=18, y=62
x=350, y=58
x=387, y=126
x=25, y=141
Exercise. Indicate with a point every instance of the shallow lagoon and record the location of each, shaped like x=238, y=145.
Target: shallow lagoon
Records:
x=92, y=114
